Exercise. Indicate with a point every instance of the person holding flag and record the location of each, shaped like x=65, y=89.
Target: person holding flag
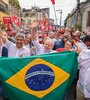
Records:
x=18, y=49
x=83, y=85
x=48, y=43
x=3, y=49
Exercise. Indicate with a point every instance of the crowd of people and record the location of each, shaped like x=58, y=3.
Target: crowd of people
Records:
x=36, y=41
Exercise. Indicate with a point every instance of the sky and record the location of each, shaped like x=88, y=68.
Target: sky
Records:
x=65, y=5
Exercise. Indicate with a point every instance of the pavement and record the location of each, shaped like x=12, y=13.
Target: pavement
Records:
x=1, y=98
x=72, y=92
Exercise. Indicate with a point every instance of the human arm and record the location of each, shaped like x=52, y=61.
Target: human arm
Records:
x=4, y=38
x=33, y=34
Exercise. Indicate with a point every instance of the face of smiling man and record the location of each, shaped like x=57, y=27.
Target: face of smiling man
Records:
x=19, y=41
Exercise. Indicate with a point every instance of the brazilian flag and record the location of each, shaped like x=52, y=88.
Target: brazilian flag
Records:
x=42, y=77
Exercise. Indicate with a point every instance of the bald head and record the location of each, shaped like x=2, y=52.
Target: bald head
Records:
x=48, y=44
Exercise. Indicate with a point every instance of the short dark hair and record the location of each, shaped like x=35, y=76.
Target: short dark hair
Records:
x=86, y=38
x=71, y=41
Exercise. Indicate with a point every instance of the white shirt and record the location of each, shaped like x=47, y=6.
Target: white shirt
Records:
x=40, y=49
x=1, y=47
x=84, y=73
x=27, y=46
x=82, y=46
x=13, y=51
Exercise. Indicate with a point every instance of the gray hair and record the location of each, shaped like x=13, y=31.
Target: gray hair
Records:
x=51, y=40
x=20, y=35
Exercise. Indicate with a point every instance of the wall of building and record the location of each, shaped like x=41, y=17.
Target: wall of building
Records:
x=2, y=14
x=6, y=1
x=85, y=16
x=3, y=9
x=30, y=15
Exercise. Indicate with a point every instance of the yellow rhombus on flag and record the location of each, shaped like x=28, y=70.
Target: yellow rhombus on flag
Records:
x=18, y=79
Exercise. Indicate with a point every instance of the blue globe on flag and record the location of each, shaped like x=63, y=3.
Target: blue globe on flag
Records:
x=39, y=77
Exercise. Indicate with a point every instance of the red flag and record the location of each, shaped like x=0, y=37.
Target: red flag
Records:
x=43, y=24
x=7, y=20
x=16, y=20
x=9, y=27
x=22, y=23
x=53, y=2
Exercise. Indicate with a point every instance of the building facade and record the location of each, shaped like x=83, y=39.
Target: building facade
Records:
x=86, y=16
x=79, y=18
x=30, y=15
x=7, y=9
x=3, y=9
x=14, y=7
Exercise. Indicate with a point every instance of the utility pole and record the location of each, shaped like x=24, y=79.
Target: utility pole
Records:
x=21, y=15
x=78, y=14
x=78, y=1
x=60, y=11
x=55, y=14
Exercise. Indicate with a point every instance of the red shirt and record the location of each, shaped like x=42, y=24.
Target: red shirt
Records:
x=60, y=49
